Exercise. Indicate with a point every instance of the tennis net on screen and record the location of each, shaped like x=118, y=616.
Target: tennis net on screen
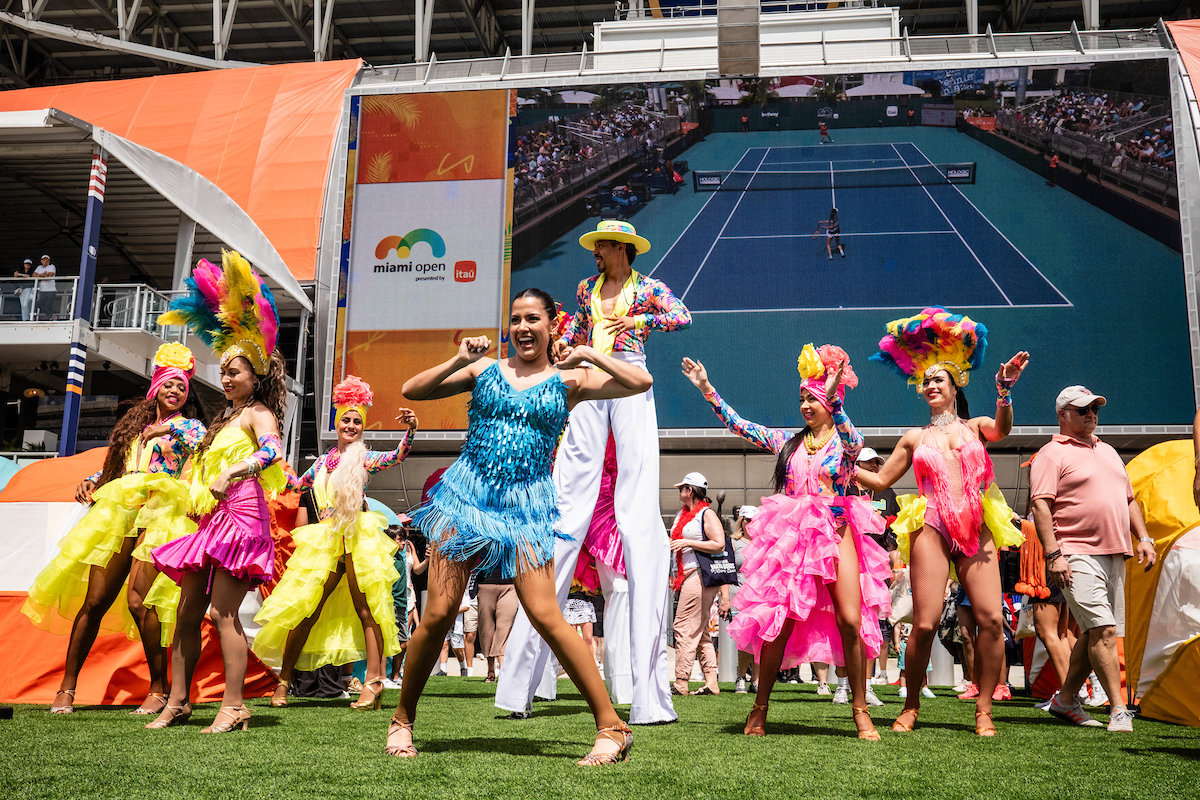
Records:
x=759, y=180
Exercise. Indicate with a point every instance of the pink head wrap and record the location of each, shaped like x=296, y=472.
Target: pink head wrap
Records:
x=814, y=365
x=172, y=360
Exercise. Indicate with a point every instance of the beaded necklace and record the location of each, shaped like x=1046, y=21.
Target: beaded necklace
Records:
x=812, y=445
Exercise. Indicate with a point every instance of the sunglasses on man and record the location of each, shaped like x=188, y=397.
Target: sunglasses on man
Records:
x=1094, y=408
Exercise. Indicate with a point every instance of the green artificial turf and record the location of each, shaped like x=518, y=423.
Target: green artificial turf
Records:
x=323, y=749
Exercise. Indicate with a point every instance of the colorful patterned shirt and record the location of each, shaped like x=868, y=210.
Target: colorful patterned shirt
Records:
x=651, y=304
x=832, y=475
x=166, y=453
x=374, y=461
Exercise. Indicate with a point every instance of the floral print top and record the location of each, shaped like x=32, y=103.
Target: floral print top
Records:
x=166, y=453
x=651, y=304
x=827, y=472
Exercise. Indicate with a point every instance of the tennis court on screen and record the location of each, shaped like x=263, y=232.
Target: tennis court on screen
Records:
x=755, y=250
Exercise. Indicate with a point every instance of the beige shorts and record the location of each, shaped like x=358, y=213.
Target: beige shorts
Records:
x=1096, y=595
x=471, y=619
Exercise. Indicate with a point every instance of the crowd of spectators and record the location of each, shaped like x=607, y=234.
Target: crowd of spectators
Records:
x=549, y=158
x=1080, y=112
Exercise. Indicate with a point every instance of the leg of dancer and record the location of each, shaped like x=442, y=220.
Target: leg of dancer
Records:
x=847, y=606
x=373, y=636
x=980, y=575
x=296, y=639
x=618, y=669
x=142, y=575
x=929, y=569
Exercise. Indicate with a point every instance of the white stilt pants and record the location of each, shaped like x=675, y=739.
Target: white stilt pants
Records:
x=577, y=473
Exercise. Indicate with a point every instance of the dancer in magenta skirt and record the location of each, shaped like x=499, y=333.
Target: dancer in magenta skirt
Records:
x=809, y=591
x=234, y=468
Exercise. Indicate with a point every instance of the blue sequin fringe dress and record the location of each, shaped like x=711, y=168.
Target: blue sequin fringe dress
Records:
x=497, y=500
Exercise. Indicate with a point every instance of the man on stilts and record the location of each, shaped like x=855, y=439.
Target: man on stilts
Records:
x=617, y=310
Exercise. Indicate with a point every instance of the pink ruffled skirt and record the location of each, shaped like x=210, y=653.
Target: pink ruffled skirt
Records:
x=791, y=562
x=234, y=537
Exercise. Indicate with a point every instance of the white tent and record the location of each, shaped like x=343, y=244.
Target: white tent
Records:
x=885, y=85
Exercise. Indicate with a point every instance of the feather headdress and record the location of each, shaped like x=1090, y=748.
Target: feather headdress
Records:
x=932, y=340
x=353, y=394
x=231, y=309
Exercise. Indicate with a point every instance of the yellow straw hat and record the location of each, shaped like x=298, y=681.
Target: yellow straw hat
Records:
x=617, y=231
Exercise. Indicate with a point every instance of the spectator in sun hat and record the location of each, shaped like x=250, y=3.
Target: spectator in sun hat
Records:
x=1089, y=524
x=697, y=529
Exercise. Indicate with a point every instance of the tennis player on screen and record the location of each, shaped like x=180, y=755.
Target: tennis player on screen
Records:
x=833, y=233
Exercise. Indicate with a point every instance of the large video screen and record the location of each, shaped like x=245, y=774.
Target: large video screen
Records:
x=944, y=195
x=943, y=190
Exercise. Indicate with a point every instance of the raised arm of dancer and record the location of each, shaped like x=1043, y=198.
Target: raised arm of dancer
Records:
x=770, y=439
x=852, y=440
x=894, y=468
x=265, y=429
x=378, y=461
x=622, y=379
x=455, y=376
x=993, y=430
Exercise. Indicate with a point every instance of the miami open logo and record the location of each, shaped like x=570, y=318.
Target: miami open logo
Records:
x=464, y=271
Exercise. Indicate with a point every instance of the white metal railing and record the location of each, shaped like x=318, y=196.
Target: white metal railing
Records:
x=37, y=299
x=887, y=53
x=134, y=307
x=708, y=8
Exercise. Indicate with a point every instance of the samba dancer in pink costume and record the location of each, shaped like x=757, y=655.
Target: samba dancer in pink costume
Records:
x=809, y=592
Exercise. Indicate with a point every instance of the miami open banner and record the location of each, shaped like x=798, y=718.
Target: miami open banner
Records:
x=426, y=241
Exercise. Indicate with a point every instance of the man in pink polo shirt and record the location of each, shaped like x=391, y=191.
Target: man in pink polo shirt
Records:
x=1084, y=511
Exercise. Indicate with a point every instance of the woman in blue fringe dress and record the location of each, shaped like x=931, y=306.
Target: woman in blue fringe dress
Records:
x=497, y=506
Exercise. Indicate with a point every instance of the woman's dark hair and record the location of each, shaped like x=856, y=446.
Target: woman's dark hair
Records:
x=128, y=428
x=960, y=400
x=785, y=455
x=269, y=389
x=547, y=303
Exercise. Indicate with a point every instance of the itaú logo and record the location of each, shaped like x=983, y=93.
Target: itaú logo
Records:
x=403, y=245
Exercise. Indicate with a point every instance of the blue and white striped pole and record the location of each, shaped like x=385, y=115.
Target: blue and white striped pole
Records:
x=83, y=301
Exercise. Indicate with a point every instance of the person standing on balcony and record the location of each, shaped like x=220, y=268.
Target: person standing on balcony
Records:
x=45, y=290
x=24, y=291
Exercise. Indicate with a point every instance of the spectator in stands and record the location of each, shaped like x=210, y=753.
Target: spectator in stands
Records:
x=497, y=610
x=46, y=290
x=696, y=530
x=24, y=291
x=1084, y=511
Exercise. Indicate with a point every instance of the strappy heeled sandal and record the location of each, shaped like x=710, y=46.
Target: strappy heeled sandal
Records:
x=899, y=726
x=161, y=698
x=988, y=730
x=67, y=709
x=375, y=701
x=757, y=730
x=611, y=733
x=178, y=716
x=400, y=751
x=870, y=735
x=239, y=716
x=279, y=696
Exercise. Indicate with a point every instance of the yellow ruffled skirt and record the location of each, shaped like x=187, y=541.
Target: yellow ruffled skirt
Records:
x=154, y=503
x=997, y=516
x=337, y=636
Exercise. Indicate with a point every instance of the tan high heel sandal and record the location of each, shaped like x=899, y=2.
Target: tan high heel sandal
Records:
x=67, y=709
x=905, y=727
x=161, y=698
x=400, y=751
x=237, y=715
x=618, y=733
x=870, y=735
x=279, y=697
x=375, y=701
x=178, y=716
x=988, y=730
x=756, y=730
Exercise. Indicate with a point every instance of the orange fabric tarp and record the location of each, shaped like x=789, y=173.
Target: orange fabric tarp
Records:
x=52, y=480
x=115, y=672
x=1186, y=34
x=264, y=135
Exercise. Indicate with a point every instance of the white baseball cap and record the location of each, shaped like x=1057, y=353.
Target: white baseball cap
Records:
x=694, y=479
x=1077, y=397
x=28, y=261
x=868, y=454
x=46, y=257
x=747, y=512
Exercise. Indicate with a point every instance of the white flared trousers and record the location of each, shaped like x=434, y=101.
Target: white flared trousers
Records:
x=577, y=472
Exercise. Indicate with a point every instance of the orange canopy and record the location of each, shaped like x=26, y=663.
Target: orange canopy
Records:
x=263, y=135
x=1186, y=34
x=52, y=480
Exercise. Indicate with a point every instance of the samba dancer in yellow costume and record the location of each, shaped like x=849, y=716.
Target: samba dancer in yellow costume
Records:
x=236, y=468
x=138, y=503
x=313, y=617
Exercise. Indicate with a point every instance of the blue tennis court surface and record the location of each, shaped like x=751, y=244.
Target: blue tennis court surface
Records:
x=755, y=250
